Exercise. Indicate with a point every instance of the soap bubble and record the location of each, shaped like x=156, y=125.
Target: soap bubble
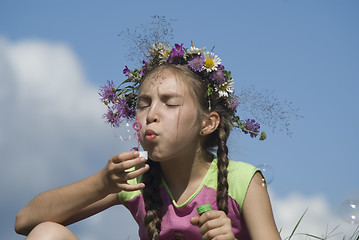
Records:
x=349, y=211
x=124, y=132
x=267, y=172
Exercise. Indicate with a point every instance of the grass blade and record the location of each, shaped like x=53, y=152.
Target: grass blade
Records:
x=296, y=226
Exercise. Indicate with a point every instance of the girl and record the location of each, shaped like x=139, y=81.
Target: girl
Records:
x=185, y=102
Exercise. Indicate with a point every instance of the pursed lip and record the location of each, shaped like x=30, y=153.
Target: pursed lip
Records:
x=150, y=132
x=150, y=135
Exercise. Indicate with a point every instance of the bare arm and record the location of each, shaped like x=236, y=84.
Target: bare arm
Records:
x=257, y=211
x=99, y=206
x=84, y=198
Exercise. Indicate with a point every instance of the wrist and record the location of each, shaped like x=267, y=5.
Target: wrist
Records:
x=98, y=182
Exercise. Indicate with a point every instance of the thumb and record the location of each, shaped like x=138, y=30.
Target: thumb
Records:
x=195, y=221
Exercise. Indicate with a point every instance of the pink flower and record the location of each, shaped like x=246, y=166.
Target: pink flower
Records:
x=126, y=71
x=177, y=51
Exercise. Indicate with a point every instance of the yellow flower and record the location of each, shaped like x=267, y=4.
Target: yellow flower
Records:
x=225, y=88
x=211, y=62
x=208, y=63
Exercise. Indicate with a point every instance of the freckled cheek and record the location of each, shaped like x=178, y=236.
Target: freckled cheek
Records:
x=141, y=116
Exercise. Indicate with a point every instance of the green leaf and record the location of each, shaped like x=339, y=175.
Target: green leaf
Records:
x=296, y=226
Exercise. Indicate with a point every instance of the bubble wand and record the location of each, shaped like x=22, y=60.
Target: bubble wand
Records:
x=137, y=126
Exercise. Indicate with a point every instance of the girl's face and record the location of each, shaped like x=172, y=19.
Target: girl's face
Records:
x=169, y=115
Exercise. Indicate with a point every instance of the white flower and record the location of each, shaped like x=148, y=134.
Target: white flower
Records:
x=194, y=50
x=211, y=61
x=225, y=88
x=163, y=55
x=160, y=49
x=158, y=46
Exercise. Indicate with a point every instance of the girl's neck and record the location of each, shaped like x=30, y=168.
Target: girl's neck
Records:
x=184, y=176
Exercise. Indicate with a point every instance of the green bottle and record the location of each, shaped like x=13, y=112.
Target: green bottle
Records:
x=203, y=208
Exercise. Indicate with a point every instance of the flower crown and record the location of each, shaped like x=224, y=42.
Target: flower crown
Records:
x=121, y=100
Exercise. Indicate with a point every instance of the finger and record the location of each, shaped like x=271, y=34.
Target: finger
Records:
x=128, y=164
x=124, y=156
x=124, y=185
x=216, y=227
x=209, y=215
x=125, y=176
x=195, y=221
x=209, y=226
x=131, y=187
x=217, y=233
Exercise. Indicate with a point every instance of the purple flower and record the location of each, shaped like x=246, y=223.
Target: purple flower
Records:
x=173, y=59
x=128, y=112
x=196, y=63
x=126, y=71
x=108, y=92
x=177, y=51
x=233, y=104
x=218, y=76
x=144, y=68
x=112, y=118
x=220, y=66
x=251, y=127
x=119, y=110
x=123, y=110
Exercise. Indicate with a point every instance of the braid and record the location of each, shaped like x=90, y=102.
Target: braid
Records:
x=216, y=140
x=222, y=164
x=153, y=200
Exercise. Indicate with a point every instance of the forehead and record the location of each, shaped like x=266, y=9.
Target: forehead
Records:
x=164, y=82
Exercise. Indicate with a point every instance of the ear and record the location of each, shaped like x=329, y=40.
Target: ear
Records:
x=210, y=123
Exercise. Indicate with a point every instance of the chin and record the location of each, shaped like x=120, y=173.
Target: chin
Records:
x=153, y=153
x=156, y=156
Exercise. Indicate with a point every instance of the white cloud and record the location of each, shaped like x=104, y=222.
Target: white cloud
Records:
x=320, y=218
x=48, y=107
x=112, y=224
x=51, y=130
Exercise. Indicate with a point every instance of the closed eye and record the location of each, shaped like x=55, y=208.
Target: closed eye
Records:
x=172, y=101
x=143, y=102
x=141, y=107
x=173, y=105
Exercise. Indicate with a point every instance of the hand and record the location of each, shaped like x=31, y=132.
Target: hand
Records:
x=116, y=173
x=214, y=224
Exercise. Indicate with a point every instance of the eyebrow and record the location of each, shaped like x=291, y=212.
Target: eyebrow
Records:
x=165, y=96
x=143, y=97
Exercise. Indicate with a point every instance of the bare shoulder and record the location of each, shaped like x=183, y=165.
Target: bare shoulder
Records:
x=257, y=211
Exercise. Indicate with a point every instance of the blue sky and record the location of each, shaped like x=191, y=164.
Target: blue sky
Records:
x=54, y=56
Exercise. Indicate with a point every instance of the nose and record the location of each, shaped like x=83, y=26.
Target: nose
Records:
x=152, y=114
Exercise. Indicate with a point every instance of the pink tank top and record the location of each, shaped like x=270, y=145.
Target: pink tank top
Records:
x=176, y=218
